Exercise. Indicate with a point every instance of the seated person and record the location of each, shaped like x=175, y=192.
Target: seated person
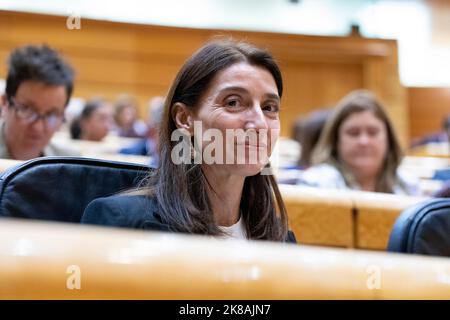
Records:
x=125, y=116
x=224, y=85
x=148, y=146
x=359, y=150
x=440, y=137
x=94, y=122
x=307, y=132
x=38, y=87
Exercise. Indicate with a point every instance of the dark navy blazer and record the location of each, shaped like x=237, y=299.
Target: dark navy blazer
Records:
x=131, y=211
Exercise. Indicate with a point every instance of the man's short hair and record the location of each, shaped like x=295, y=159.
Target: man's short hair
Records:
x=38, y=63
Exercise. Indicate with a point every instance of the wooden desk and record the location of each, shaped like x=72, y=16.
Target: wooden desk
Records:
x=343, y=218
x=375, y=216
x=44, y=260
x=318, y=217
x=6, y=164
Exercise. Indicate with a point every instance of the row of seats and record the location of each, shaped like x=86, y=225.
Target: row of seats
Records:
x=59, y=189
x=85, y=262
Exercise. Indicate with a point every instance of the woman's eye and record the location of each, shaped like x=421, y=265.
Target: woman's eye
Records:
x=353, y=132
x=271, y=108
x=373, y=132
x=233, y=103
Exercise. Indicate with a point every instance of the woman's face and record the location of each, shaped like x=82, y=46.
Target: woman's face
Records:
x=128, y=116
x=97, y=126
x=362, y=143
x=242, y=104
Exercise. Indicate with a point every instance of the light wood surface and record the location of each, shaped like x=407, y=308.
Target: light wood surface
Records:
x=6, y=164
x=343, y=218
x=319, y=218
x=41, y=261
x=376, y=215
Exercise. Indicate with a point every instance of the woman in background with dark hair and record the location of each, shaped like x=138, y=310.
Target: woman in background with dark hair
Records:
x=126, y=119
x=223, y=86
x=307, y=132
x=93, y=123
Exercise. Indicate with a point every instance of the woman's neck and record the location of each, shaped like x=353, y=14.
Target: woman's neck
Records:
x=367, y=183
x=224, y=192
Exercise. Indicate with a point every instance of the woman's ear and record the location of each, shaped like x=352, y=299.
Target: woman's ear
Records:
x=3, y=105
x=183, y=117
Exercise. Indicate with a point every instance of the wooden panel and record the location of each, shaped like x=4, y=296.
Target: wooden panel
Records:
x=428, y=107
x=376, y=215
x=119, y=264
x=344, y=218
x=112, y=58
x=319, y=217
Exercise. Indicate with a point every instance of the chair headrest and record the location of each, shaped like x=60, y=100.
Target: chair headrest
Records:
x=423, y=229
x=59, y=188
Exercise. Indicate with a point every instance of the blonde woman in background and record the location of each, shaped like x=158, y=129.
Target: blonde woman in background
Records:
x=358, y=150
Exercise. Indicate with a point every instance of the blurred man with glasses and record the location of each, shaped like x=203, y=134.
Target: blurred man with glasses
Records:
x=38, y=88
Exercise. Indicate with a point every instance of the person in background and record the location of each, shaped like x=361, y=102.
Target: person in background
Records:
x=125, y=117
x=358, y=149
x=39, y=85
x=440, y=137
x=444, y=191
x=148, y=146
x=94, y=122
x=224, y=86
x=446, y=127
x=307, y=132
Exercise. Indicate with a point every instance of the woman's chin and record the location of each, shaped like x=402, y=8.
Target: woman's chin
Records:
x=247, y=170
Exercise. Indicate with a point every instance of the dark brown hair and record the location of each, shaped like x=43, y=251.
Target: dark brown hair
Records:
x=307, y=132
x=38, y=63
x=181, y=189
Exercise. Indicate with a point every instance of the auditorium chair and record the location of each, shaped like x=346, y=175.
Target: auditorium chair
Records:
x=423, y=229
x=59, y=188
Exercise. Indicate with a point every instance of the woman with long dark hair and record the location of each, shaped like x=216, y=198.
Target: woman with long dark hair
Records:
x=224, y=87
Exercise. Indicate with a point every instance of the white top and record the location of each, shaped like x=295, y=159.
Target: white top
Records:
x=235, y=231
x=327, y=176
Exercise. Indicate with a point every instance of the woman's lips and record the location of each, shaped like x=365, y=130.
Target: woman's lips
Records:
x=252, y=145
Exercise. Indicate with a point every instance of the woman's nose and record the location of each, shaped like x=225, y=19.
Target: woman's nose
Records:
x=364, y=139
x=255, y=118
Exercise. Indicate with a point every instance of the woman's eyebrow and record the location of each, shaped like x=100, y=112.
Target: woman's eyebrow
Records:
x=234, y=88
x=243, y=90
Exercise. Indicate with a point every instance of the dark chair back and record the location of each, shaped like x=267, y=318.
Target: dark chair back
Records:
x=60, y=188
x=423, y=229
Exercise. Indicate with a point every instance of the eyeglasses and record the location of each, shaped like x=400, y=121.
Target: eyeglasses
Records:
x=27, y=114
